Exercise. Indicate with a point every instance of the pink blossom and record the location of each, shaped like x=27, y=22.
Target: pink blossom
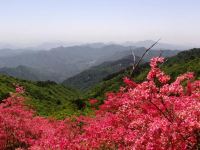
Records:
x=93, y=101
x=19, y=89
x=139, y=116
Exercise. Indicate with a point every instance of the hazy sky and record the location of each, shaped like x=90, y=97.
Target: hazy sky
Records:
x=33, y=21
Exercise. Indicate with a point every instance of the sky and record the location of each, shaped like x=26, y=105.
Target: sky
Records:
x=37, y=21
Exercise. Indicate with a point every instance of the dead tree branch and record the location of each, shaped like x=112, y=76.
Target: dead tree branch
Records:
x=134, y=59
x=137, y=64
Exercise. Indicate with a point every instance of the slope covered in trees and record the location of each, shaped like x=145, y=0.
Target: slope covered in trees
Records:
x=179, y=64
x=94, y=75
x=47, y=98
x=23, y=72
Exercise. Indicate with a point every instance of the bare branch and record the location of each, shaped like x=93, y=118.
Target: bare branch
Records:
x=148, y=49
x=161, y=52
x=134, y=59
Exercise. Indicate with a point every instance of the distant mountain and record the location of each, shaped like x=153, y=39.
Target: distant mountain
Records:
x=10, y=52
x=90, y=77
x=24, y=72
x=6, y=45
x=96, y=45
x=159, y=46
x=61, y=63
x=140, y=51
x=50, y=45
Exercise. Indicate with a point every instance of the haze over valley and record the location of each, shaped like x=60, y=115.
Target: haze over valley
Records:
x=58, y=64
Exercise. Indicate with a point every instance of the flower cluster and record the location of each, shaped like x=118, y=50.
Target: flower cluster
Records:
x=139, y=116
x=93, y=101
x=19, y=89
x=129, y=82
x=20, y=128
x=155, y=72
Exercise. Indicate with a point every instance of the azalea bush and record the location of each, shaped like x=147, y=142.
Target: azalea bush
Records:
x=20, y=128
x=154, y=114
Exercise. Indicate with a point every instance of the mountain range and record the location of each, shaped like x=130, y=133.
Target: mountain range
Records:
x=159, y=46
x=61, y=63
x=95, y=74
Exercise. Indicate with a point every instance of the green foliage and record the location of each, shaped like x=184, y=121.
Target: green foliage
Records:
x=183, y=62
x=94, y=75
x=47, y=98
x=88, y=78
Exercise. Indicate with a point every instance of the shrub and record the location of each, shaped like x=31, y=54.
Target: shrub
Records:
x=154, y=114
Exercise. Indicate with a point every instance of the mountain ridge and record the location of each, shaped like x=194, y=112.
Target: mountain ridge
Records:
x=95, y=74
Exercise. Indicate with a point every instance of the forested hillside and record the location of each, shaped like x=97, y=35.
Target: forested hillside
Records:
x=94, y=75
x=23, y=72
x=47, y=98
x=88, y=78
x=183, y=62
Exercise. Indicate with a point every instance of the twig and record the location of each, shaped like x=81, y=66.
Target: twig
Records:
x=161, y=52
x=134, y=59
x=136, y=65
